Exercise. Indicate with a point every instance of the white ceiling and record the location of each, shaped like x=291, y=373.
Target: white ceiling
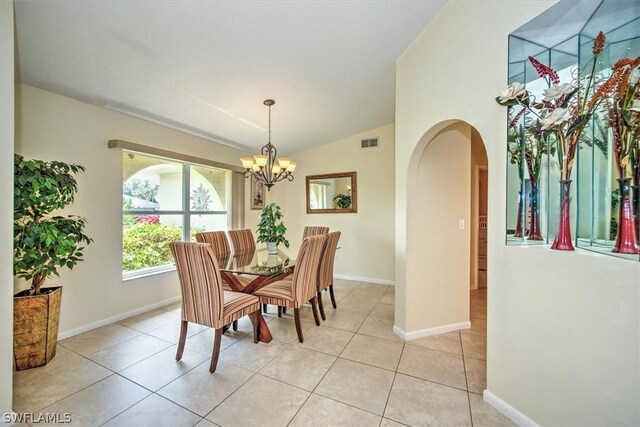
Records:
x=206, y=66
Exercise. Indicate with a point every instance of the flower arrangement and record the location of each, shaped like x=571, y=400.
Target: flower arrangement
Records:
x=623, y=108
x=560, y=118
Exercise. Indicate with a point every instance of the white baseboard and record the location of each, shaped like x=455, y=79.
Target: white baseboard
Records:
x=76, y=331
x=365, y=279
x=509, y=411
x=421, y=333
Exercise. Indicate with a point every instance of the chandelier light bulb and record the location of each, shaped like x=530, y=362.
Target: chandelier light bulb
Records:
x=284, y=162
x=247, y=162
x=261, y=160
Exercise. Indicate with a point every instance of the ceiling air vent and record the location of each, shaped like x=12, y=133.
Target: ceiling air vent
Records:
x=369, y=143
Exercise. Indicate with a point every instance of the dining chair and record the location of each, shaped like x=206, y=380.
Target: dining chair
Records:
x=314, y=231
x=218, y=240
x=302, y=287
x=203, y=299
x=242, y=240
x=325, y=272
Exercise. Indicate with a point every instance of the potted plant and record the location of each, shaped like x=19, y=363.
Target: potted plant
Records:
x=42, y=244
x=271, y=229
x=343, y=201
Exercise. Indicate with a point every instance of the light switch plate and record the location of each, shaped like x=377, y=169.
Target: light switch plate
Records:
x=461, y=224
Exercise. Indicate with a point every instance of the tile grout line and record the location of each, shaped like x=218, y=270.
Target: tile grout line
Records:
x=395, y=375
x=466, y=381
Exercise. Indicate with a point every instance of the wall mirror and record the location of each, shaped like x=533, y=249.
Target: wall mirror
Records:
x=332, y=193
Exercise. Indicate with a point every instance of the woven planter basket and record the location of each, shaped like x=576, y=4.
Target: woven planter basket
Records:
x=35, y=327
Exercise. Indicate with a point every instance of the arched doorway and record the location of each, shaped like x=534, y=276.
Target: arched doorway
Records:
x=445, y=190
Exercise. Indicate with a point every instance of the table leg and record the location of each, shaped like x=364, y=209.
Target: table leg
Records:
x=264, y=334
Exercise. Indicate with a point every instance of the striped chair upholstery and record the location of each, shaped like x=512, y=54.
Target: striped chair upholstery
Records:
x=218, y=240
x=303, y=285
x=242, y=240
x=203, y=299
x=314, y=231
x=325, y=272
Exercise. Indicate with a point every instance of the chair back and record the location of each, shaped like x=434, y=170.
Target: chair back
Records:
x=305, y=274
x=325, y=273
x=219, y=241
x=200, y=282
x=242, y=240
x=314, y=231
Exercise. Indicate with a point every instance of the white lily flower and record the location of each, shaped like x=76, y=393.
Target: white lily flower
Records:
x=556, y=91
x=635, y=106
x=514, y=90
x=556, y=117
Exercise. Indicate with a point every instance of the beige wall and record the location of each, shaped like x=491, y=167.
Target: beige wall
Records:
x=6, y=204
x=563, y=341
x=440, y=189
x=54, y=127
x=367, y=236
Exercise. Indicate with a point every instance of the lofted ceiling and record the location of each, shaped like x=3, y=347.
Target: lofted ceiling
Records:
x=205, y=67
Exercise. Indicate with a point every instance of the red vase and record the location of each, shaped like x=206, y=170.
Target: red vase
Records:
x=626, y=242
x=518, y=232
x=562, y=242
x=534, y=217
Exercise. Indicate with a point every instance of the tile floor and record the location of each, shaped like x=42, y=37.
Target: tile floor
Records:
x=351, y=371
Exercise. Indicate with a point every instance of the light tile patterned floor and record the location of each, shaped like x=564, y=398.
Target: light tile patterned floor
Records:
x=352, y=371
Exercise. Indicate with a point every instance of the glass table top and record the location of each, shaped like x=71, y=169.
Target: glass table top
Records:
x=257, y=263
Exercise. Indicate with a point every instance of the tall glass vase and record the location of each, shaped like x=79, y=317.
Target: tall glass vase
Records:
x=626, y=242
x=518, y=232
x=562, y=241
x=534, y=217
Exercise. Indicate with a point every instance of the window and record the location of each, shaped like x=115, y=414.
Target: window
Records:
x=164, y=201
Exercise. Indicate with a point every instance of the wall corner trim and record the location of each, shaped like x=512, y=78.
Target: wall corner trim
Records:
x=365, y=279
x=421, y=333
x=109, y=320
x=509, y=411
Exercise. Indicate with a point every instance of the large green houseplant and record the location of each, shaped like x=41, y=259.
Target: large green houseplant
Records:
x=42, y=244
x=271, y=229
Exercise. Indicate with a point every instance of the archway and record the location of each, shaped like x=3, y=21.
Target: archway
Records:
x=442, y=224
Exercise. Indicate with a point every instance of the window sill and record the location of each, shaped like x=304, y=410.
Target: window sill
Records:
x=147, y=272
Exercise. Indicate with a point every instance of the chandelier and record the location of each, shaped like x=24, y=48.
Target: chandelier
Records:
x=266, y=167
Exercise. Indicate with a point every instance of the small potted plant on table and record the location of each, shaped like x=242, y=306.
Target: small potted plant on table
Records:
x=42, y=244
x=271, y=229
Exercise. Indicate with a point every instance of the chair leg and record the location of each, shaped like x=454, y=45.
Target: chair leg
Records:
x=216, y=351
x=296, y=315
x=333, y=298
x=321, y=306
x=235, y=325
x=314, y=308
x=254, y=322
x=264, y=308
x=183, y=339
x=279, y=311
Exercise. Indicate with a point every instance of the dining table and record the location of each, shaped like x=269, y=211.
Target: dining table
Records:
x=257, y=268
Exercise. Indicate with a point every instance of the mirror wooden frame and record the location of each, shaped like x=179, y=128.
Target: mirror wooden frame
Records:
x=354, y=192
